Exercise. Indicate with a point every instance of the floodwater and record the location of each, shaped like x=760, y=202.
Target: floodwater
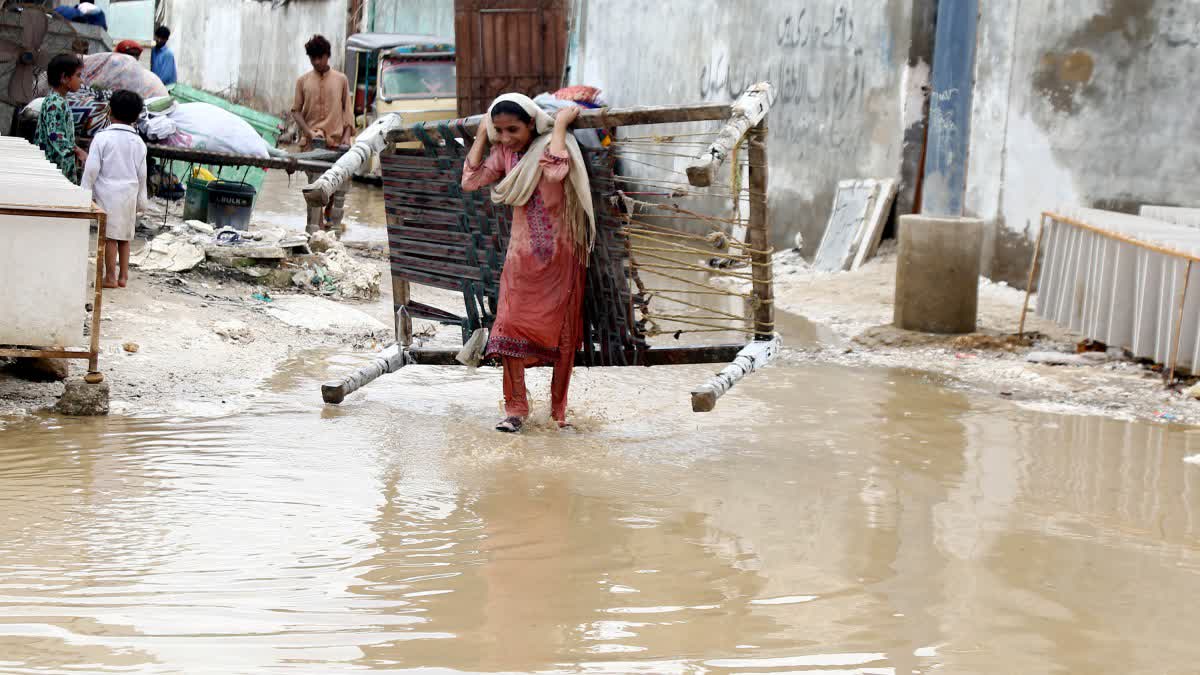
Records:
x=821, y=520
x=282, y=205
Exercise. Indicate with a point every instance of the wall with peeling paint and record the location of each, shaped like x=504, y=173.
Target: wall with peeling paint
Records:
x=1080, y=102
x=423, y=17
x=849, y=75
x=251, y=51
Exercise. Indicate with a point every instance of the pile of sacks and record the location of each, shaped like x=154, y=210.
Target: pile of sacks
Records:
x=198, y=126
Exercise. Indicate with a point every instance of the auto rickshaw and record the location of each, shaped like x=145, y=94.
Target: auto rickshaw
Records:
x=410, y=74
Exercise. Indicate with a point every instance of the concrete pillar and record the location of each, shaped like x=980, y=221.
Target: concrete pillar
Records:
x=937, y=266
x=937, y=273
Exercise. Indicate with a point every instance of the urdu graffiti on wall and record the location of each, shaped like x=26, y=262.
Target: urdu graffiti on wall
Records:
x=815, y=64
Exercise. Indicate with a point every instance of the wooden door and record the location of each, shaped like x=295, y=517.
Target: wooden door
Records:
x=508, y=45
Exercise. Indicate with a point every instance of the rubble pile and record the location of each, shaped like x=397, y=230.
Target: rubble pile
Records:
x=277, y=258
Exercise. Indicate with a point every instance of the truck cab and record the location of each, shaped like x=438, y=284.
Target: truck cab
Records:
x=413, y=75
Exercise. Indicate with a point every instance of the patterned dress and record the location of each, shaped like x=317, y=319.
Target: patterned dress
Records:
x=56, y=135
x=539, y=318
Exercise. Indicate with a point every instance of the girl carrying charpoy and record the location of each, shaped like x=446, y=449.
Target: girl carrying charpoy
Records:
x=543, y=178
x=55, y=133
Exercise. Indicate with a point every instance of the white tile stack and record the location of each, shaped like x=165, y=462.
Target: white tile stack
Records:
x=43, y=260
x=1118, y=292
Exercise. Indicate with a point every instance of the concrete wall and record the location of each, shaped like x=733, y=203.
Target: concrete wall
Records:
x=1080, y=102
x=250, y=51
x=129, y=19
x=847, y=89
x=425, y=17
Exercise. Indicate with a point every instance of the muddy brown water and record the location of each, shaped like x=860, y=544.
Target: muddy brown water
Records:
x=821, y=520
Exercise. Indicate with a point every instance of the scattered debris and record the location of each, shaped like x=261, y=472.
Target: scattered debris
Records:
x=131, y=347
x=333, y=271
x=319, y=314
x=200, y=227
x=860, y=209
x=170, y=251
x=1193, y=391
x=1061, y=359
x=261, y=296
x=234, y=330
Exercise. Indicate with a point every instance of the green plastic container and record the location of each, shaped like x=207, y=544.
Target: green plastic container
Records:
x=195, y=200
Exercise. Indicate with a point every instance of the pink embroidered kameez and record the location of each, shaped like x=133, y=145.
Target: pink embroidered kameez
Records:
x=539, y=318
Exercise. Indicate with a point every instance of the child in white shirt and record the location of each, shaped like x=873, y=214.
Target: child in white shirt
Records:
x=115, y=172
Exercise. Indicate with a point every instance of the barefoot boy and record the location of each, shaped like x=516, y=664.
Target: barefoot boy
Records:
x=115, y=172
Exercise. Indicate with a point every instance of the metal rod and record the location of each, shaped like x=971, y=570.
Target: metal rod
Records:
x=1032, y=272
x=1187, y=274
x=291, y=164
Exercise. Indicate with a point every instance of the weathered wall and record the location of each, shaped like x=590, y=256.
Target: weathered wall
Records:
x=1080, y=102
x=248, y=50
x=423, y=17
x=841, y=68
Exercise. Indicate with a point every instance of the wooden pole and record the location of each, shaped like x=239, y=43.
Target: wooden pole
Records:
x=289, y=164
x=1037, y=247
x=750, y=108
x=593, y=119
x=94, y=376
x=370, y=142
x=751, y=358
x=758, y=236
x=1187, y=275
x=394, y=358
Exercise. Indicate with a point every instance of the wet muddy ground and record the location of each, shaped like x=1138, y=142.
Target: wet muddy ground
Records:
x=824, y=518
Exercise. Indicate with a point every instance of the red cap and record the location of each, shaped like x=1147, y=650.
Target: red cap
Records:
x=130, y=47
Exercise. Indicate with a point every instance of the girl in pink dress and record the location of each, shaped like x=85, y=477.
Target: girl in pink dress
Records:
x=542, y=176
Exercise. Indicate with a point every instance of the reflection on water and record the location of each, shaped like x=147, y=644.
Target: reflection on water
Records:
x=281, y=204
x=821, y=520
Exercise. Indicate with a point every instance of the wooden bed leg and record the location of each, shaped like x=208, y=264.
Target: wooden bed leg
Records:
x=388, y=361
x=752, y=357
x=758, y=235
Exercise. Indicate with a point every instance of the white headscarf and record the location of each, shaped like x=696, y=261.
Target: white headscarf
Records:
x=518, y=186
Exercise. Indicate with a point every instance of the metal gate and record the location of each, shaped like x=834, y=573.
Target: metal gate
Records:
x=508, y=45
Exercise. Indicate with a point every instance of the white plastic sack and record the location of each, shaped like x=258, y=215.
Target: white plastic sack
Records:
x=111, y=71
x=159, y=128
x=203, y=126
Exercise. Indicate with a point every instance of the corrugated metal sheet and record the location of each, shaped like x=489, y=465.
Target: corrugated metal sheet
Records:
x=1119, y=279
